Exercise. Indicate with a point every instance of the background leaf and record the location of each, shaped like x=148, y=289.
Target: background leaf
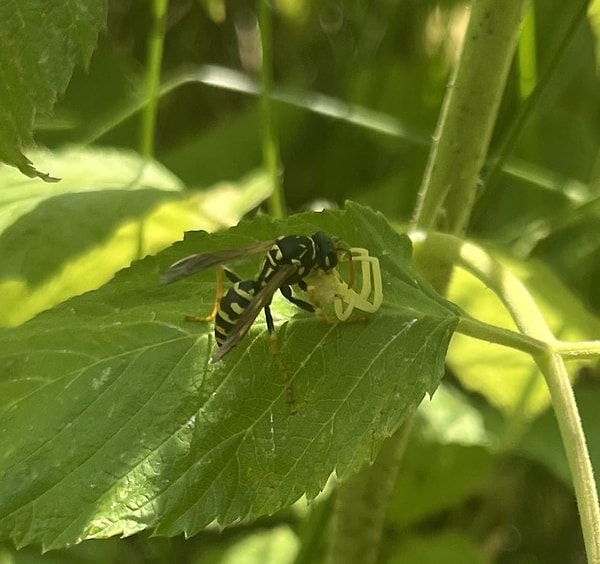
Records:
x=450, y=546
x=41, y=44
x=113, y=421
x=542, y=440
x=111, y=207
x=469, y=466
x=507, y=378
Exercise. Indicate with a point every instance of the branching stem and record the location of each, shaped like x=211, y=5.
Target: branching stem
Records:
x=548, y=357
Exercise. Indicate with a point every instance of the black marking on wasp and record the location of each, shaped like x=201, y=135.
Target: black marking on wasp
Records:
x=288, y=261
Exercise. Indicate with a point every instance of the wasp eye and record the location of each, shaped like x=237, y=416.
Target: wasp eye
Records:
x=329, y=261
x=326, y=251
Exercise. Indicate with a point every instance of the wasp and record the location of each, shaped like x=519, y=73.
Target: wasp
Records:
x=288, y=262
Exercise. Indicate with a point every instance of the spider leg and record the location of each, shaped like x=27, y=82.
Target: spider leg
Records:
x=370, y=283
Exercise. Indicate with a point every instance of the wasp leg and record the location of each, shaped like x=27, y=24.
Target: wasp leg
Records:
x=287, y=294
x=233, y=277
x=269, y=319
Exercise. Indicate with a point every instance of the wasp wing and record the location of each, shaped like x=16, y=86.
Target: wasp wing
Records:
x=246, y=319
x=197, y=263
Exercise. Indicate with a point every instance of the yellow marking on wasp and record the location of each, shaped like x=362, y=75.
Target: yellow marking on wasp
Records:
x=225, y=316
x=237, y=308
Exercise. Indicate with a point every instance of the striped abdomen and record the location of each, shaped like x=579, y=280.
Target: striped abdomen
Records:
x=232, y=305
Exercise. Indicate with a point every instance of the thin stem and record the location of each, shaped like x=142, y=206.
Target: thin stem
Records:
x=527, y=55
x=154, y=55
x=573, y=438
x=517, y=300
x=270, y=144
x=578, y=351
x=492, y=334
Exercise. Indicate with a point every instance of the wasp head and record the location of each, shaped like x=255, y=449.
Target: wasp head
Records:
x=329, y=250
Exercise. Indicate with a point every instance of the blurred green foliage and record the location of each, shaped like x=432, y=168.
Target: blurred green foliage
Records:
x=541, y=200
x=393, y=58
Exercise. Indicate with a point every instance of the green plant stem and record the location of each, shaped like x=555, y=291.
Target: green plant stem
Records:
x=569, y=422
x=361, y=504
x=270, y=144
x=468, y=115
x=578, y=351
x=530, y=321
x=154, y=56
x=492, y=334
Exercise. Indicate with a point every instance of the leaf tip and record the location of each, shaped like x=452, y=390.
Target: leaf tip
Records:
x=27, y=168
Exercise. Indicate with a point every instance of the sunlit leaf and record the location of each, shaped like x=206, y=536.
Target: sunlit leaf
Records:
x=110, y=208
x=113, y=420
x=276, y=546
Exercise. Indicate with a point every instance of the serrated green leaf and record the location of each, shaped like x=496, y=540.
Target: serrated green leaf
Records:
x=112, y=420
x=41, y=44
x=507, y=378
x=111, y=207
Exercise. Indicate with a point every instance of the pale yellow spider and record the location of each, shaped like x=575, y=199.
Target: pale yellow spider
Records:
x=329, y=287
